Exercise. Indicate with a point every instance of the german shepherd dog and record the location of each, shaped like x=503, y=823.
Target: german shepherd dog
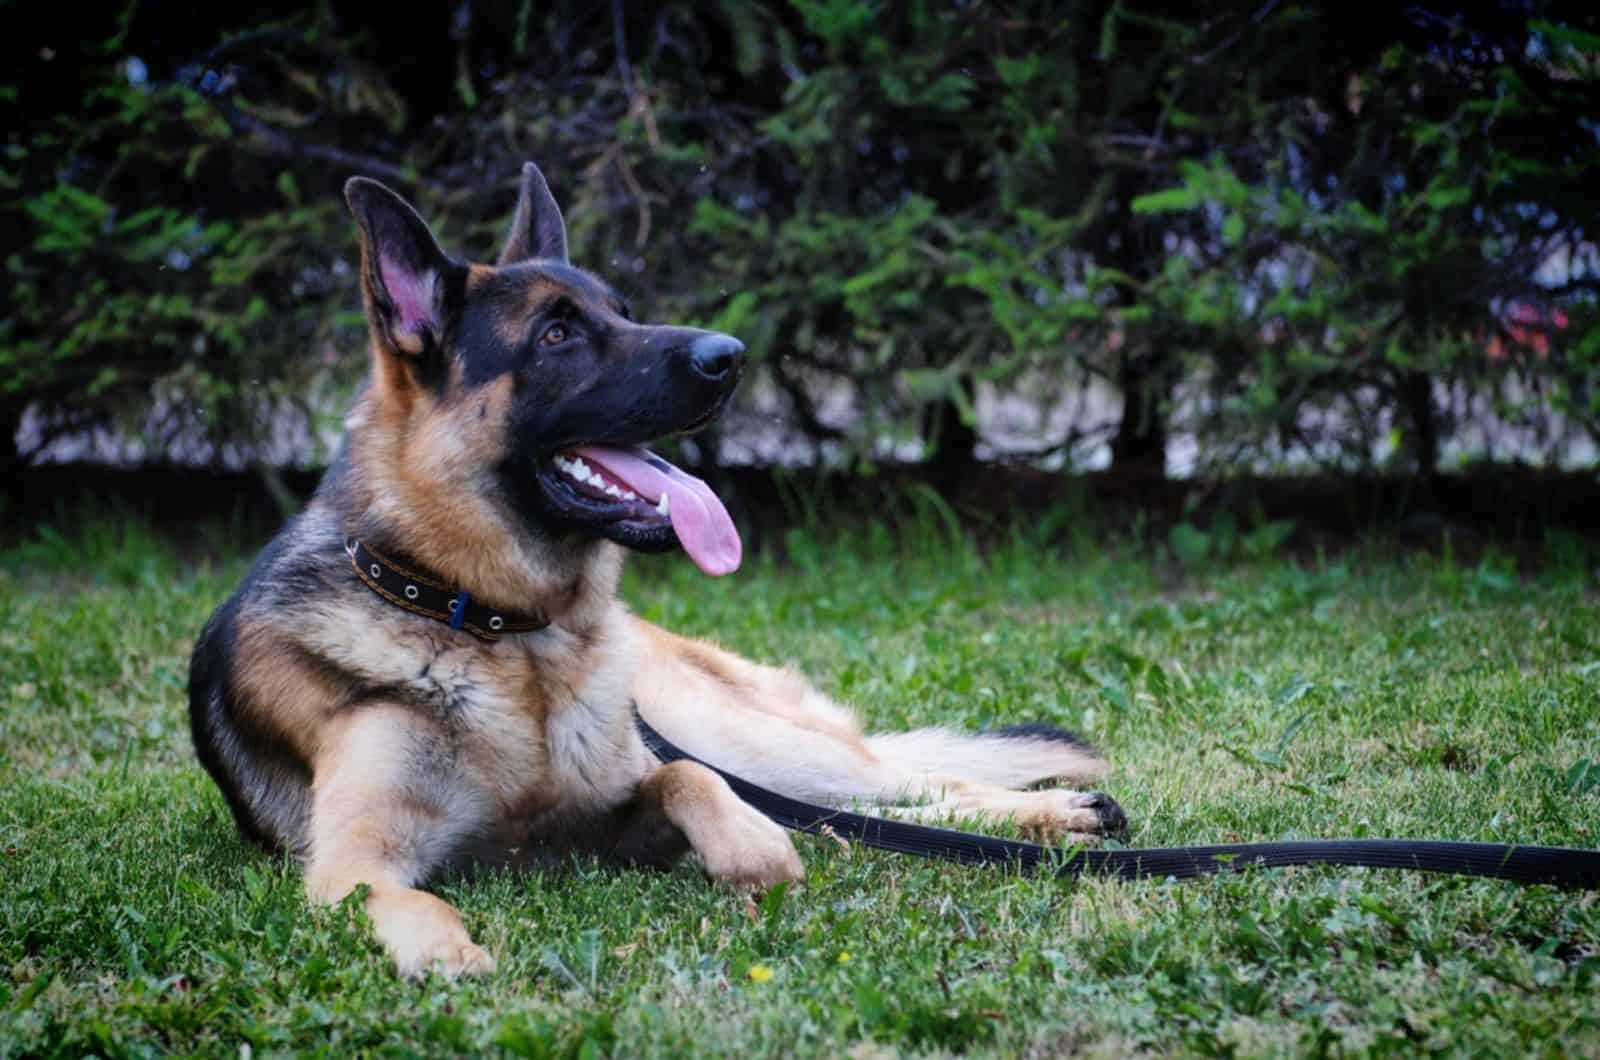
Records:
x=429, y=667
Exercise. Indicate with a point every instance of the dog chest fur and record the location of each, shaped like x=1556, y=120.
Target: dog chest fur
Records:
x=525, y=726
x=537, y=723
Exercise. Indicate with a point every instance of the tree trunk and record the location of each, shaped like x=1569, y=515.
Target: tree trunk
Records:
x=1140, y=446
x=10, y=455
x=955, y=443
x=1416, y=397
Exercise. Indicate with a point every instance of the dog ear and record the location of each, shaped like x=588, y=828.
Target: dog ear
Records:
x=537, y=230
x=405, y=277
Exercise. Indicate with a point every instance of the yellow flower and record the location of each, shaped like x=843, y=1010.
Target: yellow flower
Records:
x=844, y=956
x=759, y=973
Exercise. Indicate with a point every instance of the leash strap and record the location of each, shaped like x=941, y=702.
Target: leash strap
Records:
x=1561, y=866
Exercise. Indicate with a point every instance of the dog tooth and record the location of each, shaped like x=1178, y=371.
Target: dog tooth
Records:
x=613, y=491
x=664, y=505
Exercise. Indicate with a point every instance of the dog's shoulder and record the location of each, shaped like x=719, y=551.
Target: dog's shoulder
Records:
x=295, y=563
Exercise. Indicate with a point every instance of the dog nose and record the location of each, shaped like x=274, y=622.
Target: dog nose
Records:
x=714, y=356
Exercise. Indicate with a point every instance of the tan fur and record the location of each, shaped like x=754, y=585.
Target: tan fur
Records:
x=733, y=842
x=418, y=464
x=514, y=323
x=298, y=698
x=372, y=826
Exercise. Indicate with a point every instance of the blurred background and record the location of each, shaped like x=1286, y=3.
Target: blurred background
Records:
x=1134, y=241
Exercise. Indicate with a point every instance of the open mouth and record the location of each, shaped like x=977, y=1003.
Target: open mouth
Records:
x=646, y=501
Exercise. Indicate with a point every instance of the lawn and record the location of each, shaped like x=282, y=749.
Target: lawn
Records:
x=1363, y=694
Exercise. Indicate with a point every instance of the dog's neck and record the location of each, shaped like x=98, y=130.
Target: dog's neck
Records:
x=418, y=508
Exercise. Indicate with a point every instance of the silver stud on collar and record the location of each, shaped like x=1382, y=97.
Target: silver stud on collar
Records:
x=411, y=592
x=495, y=622
x=377, y=571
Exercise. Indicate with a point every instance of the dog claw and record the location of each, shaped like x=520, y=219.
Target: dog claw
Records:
x=1110, y=816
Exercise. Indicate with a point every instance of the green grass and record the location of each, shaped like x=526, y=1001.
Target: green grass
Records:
x=1368, y=695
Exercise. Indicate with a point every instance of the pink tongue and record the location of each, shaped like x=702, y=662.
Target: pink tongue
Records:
x=698, y=517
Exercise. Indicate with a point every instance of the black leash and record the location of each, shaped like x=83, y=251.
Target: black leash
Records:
x=1562, y=866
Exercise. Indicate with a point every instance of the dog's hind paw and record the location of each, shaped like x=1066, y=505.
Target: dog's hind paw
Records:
x=1113, y=821
x=1072, y=816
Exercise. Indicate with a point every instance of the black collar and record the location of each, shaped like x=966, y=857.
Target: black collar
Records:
x=424, y=595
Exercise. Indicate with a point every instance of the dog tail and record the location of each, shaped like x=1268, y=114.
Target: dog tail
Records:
x=1017, y=756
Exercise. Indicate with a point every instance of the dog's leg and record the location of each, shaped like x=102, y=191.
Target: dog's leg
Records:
x=385, y=815
x=772, y=727
x=976, y=774
x=834, y=769
x=684, y=802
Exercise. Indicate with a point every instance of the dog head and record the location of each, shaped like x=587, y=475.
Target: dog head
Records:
x=522, y=394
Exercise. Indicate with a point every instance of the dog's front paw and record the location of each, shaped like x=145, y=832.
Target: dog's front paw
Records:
x=424, y=934
x=449, y=957
x=1073, y=816
x=749, y=851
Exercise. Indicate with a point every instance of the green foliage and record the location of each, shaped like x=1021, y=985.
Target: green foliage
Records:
x=1402, y=285
x=1295, y=233
x=166, y=284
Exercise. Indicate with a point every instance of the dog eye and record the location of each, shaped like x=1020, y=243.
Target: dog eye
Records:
x=553, y=335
